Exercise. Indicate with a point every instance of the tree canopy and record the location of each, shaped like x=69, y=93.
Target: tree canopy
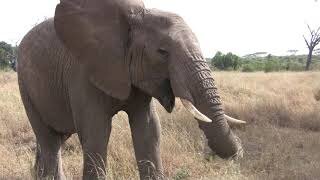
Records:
x=227, y=61
x=7, y=55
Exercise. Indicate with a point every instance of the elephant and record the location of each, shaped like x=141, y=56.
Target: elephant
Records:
x=96, y=58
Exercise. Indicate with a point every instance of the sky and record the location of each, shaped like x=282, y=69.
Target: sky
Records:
x=238, y=26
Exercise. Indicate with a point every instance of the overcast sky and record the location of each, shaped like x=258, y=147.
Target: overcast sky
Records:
x=239, y=26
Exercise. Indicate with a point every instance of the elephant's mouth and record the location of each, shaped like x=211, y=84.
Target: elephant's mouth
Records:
x=167, y=99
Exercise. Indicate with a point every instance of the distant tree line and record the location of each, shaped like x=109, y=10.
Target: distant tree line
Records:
x=8, y=56
x=261, y=61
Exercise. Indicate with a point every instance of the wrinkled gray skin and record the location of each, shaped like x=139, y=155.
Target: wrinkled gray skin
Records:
x=96, y=58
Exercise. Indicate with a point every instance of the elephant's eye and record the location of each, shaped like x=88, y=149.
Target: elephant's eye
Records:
x=163, y=52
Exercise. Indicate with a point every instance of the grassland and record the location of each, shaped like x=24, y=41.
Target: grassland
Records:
x=281, y=139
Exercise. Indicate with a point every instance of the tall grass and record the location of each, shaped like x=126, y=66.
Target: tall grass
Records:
x=281, y=139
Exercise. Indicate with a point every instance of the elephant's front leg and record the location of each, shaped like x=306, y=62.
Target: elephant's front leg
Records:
x=92, y=116
x=145, y=128
x=94, y=139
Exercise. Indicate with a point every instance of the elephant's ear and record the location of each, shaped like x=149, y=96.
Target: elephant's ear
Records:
x=96, y=32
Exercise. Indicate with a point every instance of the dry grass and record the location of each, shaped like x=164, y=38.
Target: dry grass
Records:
x=281, y=139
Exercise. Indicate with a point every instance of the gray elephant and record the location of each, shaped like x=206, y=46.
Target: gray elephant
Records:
x=98, y=57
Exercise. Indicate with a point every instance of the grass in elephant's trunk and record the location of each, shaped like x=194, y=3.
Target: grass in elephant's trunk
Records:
x=281, y=140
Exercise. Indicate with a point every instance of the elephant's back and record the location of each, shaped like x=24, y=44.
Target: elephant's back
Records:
x=43, y=67
x=41, y=47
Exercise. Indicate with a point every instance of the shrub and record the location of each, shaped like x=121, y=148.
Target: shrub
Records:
x=248, y=68
x=7, y=55
x=295, y=66
x=226, y=62
x=271, y=66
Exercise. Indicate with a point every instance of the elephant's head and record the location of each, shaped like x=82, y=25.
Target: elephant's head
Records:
x=123, y=44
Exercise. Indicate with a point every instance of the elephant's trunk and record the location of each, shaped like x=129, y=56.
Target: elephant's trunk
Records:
x=194, y=83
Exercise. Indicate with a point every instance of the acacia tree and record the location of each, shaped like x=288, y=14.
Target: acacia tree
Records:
x=312, y=43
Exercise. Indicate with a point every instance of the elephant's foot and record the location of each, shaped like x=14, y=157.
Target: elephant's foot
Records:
x=148, y=171
x=48, y=168
x=42, y=174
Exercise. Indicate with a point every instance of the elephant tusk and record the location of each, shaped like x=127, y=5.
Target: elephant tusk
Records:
x=199, y=116
x=233, y=120
x=194, y=111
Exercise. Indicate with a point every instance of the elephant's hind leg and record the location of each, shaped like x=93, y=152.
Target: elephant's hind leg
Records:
x=48, y=163
x=48, y=157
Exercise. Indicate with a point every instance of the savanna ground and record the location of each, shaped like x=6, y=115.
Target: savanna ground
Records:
x=281, y=139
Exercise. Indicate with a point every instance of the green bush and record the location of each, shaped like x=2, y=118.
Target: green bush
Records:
x=226, y=62
x=4, y=65
x=295, y=66
x=248, y=68
x=7, y=55
x=272, y=65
